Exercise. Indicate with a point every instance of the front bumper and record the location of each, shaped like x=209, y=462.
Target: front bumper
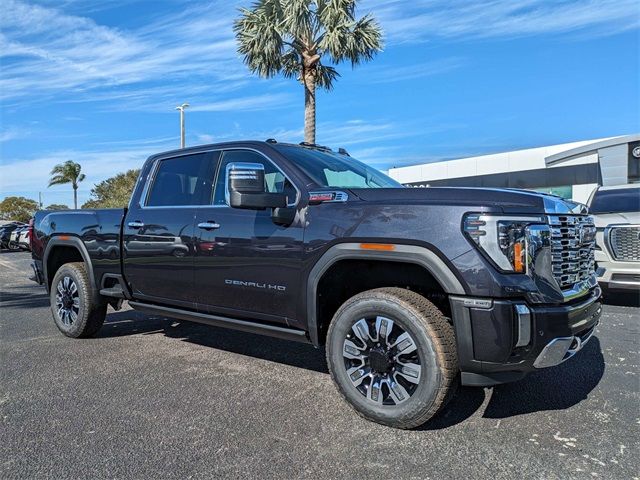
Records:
x=501, y=340
x=619, y=276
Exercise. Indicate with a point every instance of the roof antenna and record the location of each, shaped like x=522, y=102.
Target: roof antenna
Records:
x=271, y=140
x=342, y=151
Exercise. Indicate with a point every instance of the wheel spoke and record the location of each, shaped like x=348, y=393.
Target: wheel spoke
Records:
x=352, y=351
x=60, y=288
x=383, y=329
x=65, y=283
x=397, y=391
x=404, y=344
x=73, y=288
x=361, y=330
x=374, y=392
x=73, y=316
x=410, y=371
x=358, y=374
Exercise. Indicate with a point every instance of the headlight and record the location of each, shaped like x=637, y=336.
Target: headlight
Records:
x=502, y=238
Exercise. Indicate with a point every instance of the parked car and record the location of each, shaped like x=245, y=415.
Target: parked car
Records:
x=5, y=235
x=409, y=290
x=616, y=211
x=23, y=238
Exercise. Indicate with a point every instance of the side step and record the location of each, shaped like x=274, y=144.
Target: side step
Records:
x=115, y=292
x=225, y=322
x=118, y=290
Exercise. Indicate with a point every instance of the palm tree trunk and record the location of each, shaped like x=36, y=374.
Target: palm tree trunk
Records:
x=309, y=107
x=75, y=197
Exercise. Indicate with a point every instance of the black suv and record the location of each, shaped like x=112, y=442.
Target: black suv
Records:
x=408, y=289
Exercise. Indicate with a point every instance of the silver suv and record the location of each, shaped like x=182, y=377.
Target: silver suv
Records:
x=616, y=211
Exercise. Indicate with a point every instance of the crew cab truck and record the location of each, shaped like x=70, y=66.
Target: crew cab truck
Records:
x=410, y=290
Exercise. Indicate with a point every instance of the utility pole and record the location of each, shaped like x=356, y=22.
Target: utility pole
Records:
x=181, y=109
x=40, y=199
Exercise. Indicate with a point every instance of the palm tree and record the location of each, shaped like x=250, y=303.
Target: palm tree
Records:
x=293, y=36
x=68, y=172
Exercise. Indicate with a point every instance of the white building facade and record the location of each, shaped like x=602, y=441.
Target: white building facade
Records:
x=570, y=170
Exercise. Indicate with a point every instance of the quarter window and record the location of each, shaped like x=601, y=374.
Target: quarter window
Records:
x=184, y=180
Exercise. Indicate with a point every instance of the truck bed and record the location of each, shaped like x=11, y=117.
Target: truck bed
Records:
x=98, y=231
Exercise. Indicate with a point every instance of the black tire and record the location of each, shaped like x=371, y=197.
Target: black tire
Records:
x=81, y=316
x=13, y=246
x=435, y=351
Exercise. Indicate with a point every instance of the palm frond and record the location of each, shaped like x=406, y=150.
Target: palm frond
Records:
x=67, y=172
x=325, y=76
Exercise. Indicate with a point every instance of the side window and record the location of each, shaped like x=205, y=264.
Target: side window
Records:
x=275, y=181
x=182, y=180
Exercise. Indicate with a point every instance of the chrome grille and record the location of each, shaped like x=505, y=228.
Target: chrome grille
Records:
x=625, y=243
x=572, y=248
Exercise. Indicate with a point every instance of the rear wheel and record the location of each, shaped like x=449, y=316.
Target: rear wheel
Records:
x=73, y=305
x=392, y=355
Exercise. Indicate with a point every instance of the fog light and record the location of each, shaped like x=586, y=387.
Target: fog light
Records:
x=524, y=325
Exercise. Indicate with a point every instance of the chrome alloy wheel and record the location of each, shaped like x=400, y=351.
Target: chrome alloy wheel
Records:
x=382, y=361
x=67, y=301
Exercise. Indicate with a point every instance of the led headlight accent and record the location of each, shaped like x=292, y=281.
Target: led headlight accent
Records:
x=502, y=238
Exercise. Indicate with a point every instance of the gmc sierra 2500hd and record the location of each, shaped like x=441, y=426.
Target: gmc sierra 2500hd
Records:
x=411, y=291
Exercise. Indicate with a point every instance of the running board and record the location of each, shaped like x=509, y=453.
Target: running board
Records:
x=225, y=322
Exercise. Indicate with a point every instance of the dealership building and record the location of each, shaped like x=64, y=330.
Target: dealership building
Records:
x=570, y=170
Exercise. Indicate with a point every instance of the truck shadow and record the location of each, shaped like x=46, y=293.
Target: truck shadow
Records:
x=556, y=388
x=276, y=350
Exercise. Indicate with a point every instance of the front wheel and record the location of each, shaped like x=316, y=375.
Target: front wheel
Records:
x=75, y=311
x=392, y=355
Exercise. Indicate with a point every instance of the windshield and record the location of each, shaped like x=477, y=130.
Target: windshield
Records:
x=329, y=169
x=624, y=200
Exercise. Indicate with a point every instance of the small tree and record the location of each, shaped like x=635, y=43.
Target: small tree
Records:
x=57, y=206
x=19, y=209
x=293, y=36
x=113, y=192
x=68, y=172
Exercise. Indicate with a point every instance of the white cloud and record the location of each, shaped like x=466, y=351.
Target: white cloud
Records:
x=12, y=134
x=45, y=50
x=257, y=102
x=30, y=176
x=422, y=20
x=394, y=73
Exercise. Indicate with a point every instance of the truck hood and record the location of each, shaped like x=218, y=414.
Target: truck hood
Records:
x=602, y=220
x=508, y=200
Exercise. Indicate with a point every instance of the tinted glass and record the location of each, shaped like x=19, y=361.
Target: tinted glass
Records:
x=182, y=181
x=275, y=181
x=616, y=201
x=329, y=169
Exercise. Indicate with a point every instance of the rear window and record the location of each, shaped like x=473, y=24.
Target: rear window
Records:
x=624, y=200
x=182, y=180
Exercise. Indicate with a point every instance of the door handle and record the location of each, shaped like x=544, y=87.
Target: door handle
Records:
x=208, y=225
x=136, y=224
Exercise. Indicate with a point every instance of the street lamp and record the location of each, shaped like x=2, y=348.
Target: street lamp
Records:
x=181, y=108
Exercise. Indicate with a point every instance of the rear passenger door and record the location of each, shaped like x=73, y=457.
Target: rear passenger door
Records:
x=158, y=232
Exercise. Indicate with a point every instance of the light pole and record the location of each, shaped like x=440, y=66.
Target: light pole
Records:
x=181, y=108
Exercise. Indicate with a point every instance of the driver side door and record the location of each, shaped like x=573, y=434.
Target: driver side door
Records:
x=246, y=265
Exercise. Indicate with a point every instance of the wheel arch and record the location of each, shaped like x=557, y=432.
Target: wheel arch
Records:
x=414, y=255
x=65, y=249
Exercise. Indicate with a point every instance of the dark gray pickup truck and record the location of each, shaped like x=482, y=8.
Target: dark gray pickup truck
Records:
x=411, y=291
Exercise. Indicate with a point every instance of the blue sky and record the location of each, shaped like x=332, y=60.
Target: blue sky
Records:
x=97, y=82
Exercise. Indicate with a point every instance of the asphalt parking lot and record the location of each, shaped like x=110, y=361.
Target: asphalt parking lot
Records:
x=154, y=398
